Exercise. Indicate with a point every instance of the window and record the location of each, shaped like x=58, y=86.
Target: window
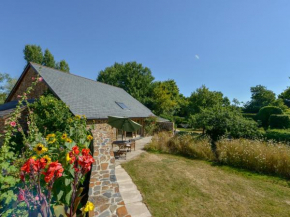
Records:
x=122, y=105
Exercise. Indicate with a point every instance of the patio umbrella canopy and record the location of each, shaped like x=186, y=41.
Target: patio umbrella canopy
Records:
x=122, y=123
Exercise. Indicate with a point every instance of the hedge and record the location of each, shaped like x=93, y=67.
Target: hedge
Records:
x=252, y=116
x=265, y=113
x=278, y=135
x=279, y=121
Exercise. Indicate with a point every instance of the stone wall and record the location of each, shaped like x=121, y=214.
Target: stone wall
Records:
x=26, y=81
x=103, y=187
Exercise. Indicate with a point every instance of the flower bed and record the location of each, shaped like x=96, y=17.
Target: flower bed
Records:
x=42, y=173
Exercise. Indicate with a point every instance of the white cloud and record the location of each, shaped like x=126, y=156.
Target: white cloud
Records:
x=196, y=56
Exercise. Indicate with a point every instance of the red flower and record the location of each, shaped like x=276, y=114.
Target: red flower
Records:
x=22, y=176
x=13, y=123
x=54, y=171
x=85, y=162
x=28, y=165
x=42, y=162
x=85, y=151
x=76, y=150
x=21, y=195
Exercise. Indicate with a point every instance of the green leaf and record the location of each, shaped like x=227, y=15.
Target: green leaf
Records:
x=59, y=211
x=67, y=182
x=69, y=145
x=60, y=194
x=68, y=197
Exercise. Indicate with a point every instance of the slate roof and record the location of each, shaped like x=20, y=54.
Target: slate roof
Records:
x=9, y=107
x=87, y=97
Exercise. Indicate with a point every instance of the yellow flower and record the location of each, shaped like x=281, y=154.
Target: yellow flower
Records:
x=88, y=207
x=78, y=116
x=50, y=138
x=33, y=157
x=64, y=136
x=39, y=148
x=47, y=158
x=69, y=140
x=67, y=157
x=89, y=137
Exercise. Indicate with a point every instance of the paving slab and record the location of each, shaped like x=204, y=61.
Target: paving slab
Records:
x=128, y=190
x=138, y=209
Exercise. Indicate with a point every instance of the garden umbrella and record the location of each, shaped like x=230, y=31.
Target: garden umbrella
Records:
x=122, y=123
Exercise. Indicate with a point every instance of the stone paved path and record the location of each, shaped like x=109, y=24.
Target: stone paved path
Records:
x=140, y=143
x=130, y=193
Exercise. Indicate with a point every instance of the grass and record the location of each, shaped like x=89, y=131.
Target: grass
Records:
x=185, y=129
x=259, y=156
x=178, y=186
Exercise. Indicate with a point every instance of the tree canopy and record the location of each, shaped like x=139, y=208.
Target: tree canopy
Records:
x=220, y=121
x=62, y=66
x=33, y=53
x=6, y=85
x=48, y=59
x=203, y=98
x=133, y=77
x=261, y=97
x=165, y=97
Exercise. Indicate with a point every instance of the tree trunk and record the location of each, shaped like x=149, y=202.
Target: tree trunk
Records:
x=214, y=150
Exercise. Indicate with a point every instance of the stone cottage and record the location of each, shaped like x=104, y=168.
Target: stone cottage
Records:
x=96, y=101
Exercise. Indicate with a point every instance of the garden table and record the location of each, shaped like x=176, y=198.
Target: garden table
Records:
x=121, y=143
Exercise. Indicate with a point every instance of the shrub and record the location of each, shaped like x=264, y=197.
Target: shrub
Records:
x=179, y=120
x=279, y=121
x=265, y=113
x=62, y=157
x=278, y=135
x=51, y=114
x=252, y=116
x=150, y=125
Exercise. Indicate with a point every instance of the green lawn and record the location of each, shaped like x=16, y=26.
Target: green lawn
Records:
x=177, y=186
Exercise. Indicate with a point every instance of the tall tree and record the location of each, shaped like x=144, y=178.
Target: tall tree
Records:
x=285, y=96
x=33, y=53
x=165, y=97
x=62, y=66
x=131, y=76
x=203, y=98
x=48, y=59
x=261, y=97
x=6, y=85
x=222, y=121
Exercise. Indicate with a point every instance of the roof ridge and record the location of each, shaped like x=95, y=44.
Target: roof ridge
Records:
x=75, y=75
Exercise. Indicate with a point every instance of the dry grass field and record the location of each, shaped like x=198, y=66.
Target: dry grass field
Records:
x=178, y=186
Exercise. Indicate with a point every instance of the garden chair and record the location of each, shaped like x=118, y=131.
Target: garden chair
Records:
x=131, y=144
x=122, y=151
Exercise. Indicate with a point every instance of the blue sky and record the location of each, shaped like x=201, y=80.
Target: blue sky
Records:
x=239, y=43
